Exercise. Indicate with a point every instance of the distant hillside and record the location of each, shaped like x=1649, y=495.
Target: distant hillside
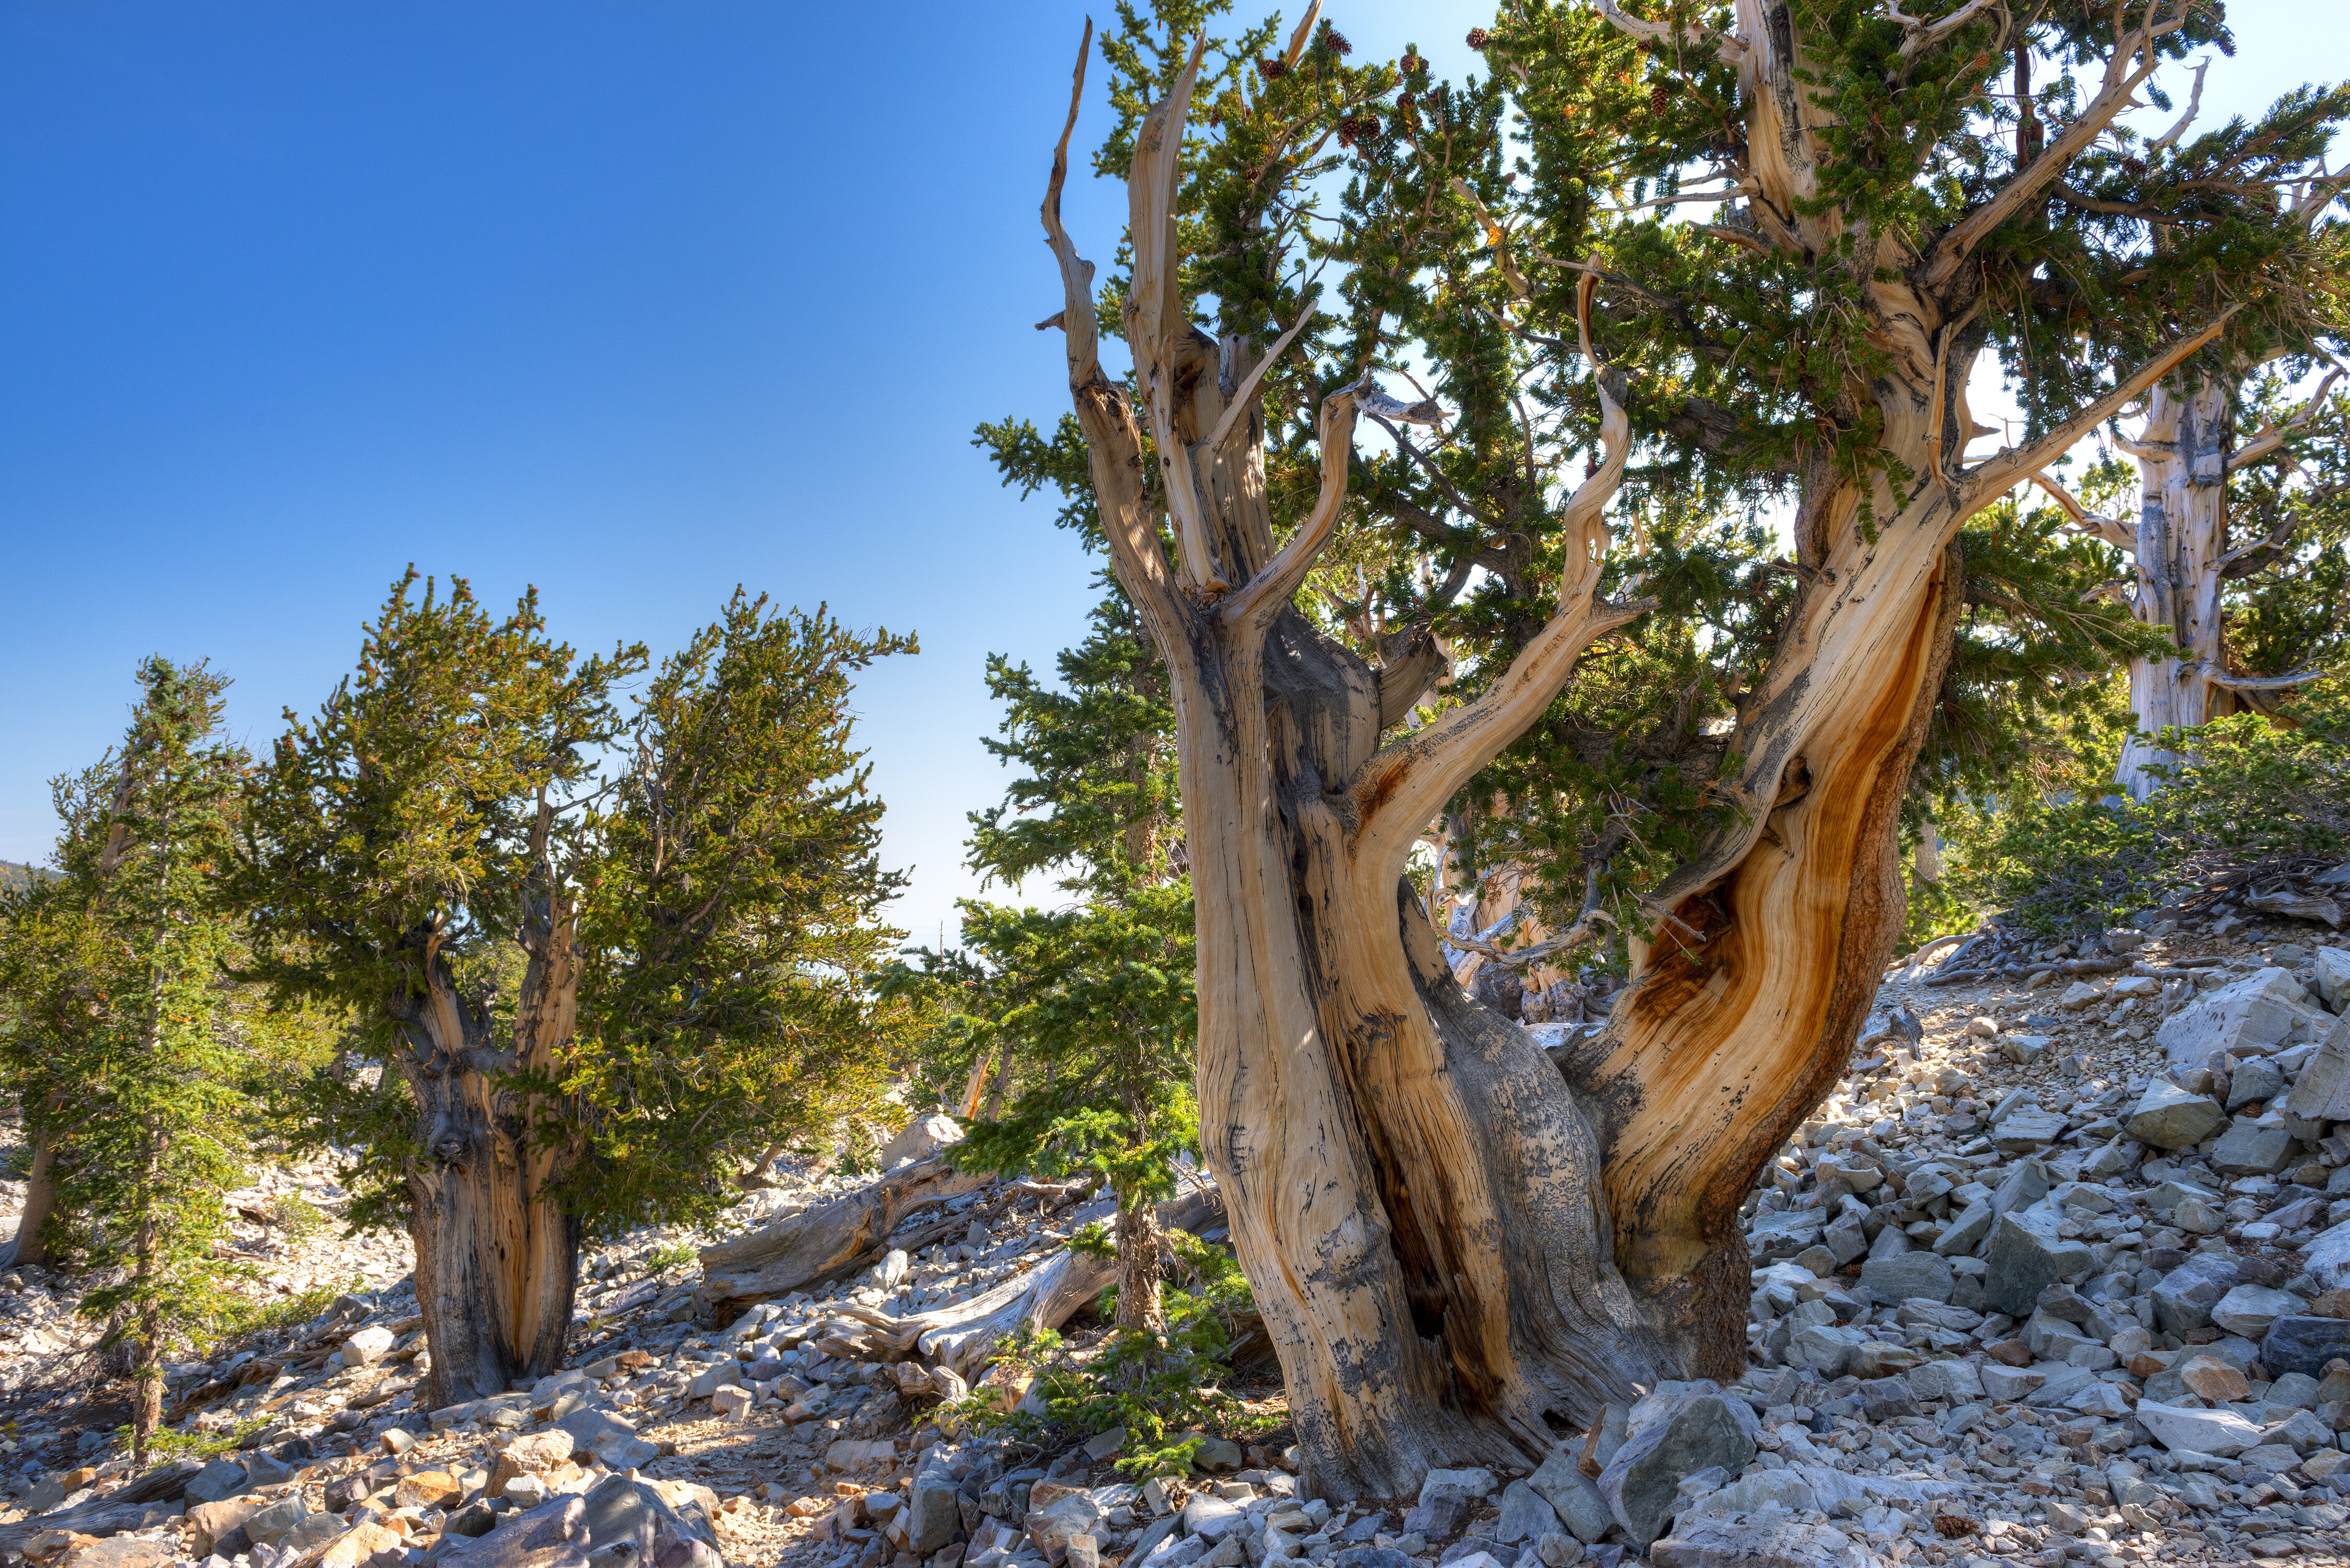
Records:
x=14, y=875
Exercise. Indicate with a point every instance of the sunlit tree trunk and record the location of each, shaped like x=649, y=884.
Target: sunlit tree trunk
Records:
x=2183, y=533
x=1458, y=1250
x=497, y=1255
x=31, y=1245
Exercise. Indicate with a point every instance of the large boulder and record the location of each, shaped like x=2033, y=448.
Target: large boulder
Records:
x=1908, y=1276
x=552, y=1535
x=2333, y=967
x=2327, y=1258
x=2248, y=1149
x=2322, y=1091
x=618, y=1510
x=932, y=1513
x=1526, y=1514
x=2304, y=1343
x=2250, y=1309
x=2168, y=1116
x=219, y=1480
x=2183, y=1298
x=1572, y=1495
x=531, y=1454
x=2220, y=1433
x=2025, y=1256
x=1682, y=1434
x=2253, y=1016
x=1760, y=1541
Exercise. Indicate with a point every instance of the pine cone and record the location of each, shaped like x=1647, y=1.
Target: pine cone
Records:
x=1477, y=37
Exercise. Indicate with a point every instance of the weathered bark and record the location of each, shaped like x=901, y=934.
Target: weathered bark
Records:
x=1422, y=1207
x=2182, y=535
x=964, y=1335
x=827, y=1241
x=1772, y=936
x=1140, y=1252
x=1409, y=1182
x=31, y=1246
x=497, y=1255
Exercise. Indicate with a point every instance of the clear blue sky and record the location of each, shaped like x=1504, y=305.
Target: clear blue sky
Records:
x=633, y=301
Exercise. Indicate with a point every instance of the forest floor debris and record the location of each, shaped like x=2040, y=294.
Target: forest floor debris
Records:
x=2061, y=1273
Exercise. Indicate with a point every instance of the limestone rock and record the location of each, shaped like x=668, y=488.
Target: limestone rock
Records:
x=221, y=1478
x=1760, y=1541
x=2247, y=1149
x=2328, y=1258
x=2183, y=1298
x=1908, y=1276
x=2254, y=1014
x=1475, y=1482
x=2168, y=1116
x=1685, y=1433
x=2304, y=1343
x=2250, y=1310
x=2220, y=1433
x=2323, y=1092
x=1573, y=1495
x=932, y=1513
x=920, y=1139
x=2026, y=1255
x=1526, y=1514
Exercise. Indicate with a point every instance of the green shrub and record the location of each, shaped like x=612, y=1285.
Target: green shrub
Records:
x=2248, y=795
x=663, y=1259
x=1156, y=1388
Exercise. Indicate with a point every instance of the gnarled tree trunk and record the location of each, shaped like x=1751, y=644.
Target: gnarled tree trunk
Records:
x=31, y=1246
x=1459, y=1252
x=2182, y=535
x=497, y=1255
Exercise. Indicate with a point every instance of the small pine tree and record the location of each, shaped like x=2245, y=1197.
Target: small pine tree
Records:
x=1084, y=1017
x=114, y=970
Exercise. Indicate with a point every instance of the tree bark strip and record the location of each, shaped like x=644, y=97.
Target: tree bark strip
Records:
x=827, y=1241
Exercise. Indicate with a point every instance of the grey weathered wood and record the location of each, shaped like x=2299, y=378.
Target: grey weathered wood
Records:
x=827, y=1241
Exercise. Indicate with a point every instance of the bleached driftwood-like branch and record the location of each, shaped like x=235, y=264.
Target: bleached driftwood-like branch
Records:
x=1394, y=794
x=2270, y=437
x=2194, y=102
x=1918, y=35
x=2111, y=529
x=1729, y=50
x=1154, y=314
x=2011, y=465
x=1114, y=443
x=1264, y=594
x=2132, y=62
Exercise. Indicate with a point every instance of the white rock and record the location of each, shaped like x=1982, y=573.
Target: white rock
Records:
x=920, y=1139
x=368, y=1346
x=2249, y=1310
x=2328, y=1258
x=1476, y=1482
x=2256, y=1013
x=2220, y=1433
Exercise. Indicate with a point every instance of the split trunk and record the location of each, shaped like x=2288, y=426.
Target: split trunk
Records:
x=1459, y=1250
x=497, y=1254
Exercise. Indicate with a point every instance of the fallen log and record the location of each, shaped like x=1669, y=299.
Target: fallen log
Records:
x=827, y=1241
x=960, y=1335
x=98, y=1518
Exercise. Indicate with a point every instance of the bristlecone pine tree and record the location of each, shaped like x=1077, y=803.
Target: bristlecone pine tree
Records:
x=599, y=994
x=1459, y=1246
x=2193, y=560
